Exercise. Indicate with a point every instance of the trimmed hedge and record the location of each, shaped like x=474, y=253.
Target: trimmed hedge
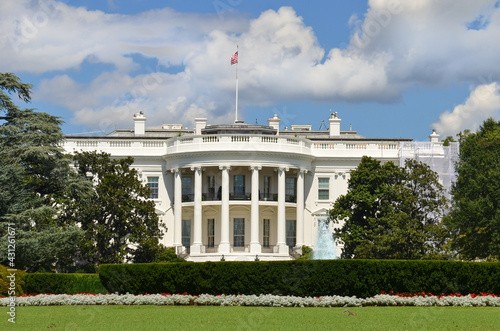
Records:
x=5, y=282
x=52, y=283
x=362, y=278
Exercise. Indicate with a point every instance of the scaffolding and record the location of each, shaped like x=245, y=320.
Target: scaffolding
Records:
x=439, y=158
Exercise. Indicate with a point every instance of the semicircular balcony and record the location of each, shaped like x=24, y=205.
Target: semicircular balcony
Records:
x=238, y=143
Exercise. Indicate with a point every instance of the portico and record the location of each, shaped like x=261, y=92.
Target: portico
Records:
x=227, y=219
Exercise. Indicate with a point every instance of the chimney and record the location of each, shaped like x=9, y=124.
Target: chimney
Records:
x=334, y=124
x=139, y=123
x=274, y=123
x=200, y=123
x=434, y=137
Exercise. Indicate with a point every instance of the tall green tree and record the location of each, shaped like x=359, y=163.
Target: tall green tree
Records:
x=118, y=219
x=35, y=180
x=391, y=212
x=475, y=215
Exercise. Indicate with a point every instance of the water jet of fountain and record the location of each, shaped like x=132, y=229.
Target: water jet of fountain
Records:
x=324, y=249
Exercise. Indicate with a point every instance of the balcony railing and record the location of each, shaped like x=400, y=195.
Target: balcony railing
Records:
x=290, y=198
x=238, y=142
x=274, y=197
x=211, y=196
x=239, y=196
x=249, y=144
x=268, y=197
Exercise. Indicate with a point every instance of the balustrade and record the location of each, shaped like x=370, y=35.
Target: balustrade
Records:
x=240, y=141
x=87, y=143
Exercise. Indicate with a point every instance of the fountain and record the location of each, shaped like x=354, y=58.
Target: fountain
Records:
x=324, y=249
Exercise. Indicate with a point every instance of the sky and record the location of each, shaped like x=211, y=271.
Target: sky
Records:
x=389, y=68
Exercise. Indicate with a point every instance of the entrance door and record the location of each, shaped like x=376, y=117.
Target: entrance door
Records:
x=211, y=233
x=291, y=233
x=186, y=234
x=239, y=232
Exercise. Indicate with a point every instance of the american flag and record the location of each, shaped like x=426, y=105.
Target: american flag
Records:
x=234, y=58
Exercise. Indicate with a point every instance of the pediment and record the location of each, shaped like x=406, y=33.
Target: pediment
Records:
x=320, y=212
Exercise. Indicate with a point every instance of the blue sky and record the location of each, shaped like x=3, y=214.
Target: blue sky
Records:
x=390, y=68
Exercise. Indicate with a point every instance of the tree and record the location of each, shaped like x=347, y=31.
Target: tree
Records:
x=448, y=140
x=475, y=214
x=12, y=84
x=35, y=180
x=390, y=212
x=118, y=219
x=50, y=248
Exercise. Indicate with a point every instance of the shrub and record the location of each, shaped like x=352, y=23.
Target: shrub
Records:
x=63, y=283
x=168, y=255
x=361, y=278
x=156, y=253
x=307, y=253
x=5, y=282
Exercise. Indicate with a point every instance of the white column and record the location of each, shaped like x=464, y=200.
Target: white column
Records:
x=300, y=208
x=196, y=245
x=282, y=247
x=177, y=210
x=255, y=246
x=224, y=246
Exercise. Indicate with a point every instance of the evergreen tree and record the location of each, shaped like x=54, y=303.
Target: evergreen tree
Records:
x=35, y=180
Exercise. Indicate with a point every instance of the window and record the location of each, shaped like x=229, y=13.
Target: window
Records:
x=153, y=186
x=265, y=232
x=187, y=189
x=186, y=233
x=267, y=187
x=239, y=187
x=239, y=232
x=290, y=189
x=211, y=233
x=323, y=188
x=211, y=188
x=291, y=230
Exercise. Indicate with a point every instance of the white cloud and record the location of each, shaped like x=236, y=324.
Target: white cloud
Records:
x=45, y=35
x=429, y=41
x=483, y=102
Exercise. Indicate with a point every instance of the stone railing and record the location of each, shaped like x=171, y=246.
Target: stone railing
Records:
x=378, y=149
x=418, y=148
x=249, y=144
x=238, y=142
x=101, y=143
x=116, y=146
x=339, y=145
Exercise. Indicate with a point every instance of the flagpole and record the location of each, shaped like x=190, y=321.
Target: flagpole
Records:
x=236, y=117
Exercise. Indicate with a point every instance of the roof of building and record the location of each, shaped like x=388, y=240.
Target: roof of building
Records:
x=149, y=134
x=344, y=135
x=168, y=131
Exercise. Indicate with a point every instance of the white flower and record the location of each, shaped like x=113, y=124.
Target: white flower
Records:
x=267, y=300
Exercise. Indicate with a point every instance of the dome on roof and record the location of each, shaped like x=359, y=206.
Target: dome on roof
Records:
x=238, y=127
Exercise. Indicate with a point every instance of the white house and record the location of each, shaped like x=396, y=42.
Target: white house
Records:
x=244, y=191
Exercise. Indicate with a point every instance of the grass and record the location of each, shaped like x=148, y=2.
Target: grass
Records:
x=251, y=318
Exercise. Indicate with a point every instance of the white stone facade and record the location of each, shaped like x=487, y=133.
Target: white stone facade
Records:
x=243, y=191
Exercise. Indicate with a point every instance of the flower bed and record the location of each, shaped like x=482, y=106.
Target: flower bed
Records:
x=268, y=300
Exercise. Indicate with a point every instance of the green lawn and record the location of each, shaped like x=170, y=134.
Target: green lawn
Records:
x=250, y=318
